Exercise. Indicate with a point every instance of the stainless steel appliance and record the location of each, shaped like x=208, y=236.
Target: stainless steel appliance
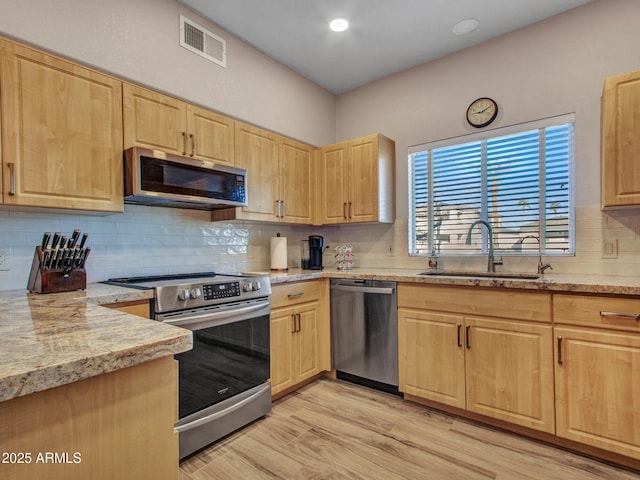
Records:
x=223, y=380
x=364, y=332
x=152, y=177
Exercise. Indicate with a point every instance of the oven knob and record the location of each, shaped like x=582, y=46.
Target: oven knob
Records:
x=196, y=293
x=183, y=295
x=247, y=287
x=255, y=285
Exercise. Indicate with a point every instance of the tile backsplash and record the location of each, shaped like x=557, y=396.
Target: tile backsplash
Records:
x=151, y=241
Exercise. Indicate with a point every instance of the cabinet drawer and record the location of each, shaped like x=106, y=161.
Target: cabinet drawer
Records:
x=497, y=303
x=616, y=313
x=294, y=293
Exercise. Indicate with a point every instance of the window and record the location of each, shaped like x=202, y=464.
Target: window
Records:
x=518, y=179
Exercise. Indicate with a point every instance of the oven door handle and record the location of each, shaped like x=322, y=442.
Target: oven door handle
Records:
x=216, y=415
x=213, y=316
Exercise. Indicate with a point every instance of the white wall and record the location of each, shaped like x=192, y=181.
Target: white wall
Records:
x=138, y=40
x=553, y=67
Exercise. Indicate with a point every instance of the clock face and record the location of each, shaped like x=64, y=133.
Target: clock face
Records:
x=482, y=112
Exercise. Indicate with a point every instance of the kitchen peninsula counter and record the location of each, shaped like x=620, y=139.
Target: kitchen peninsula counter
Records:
x=594, y=284
x=56, y=339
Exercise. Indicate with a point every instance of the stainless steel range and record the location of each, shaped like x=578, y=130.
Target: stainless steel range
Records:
x=223, y=380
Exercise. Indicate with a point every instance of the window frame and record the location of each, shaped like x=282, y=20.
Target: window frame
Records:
x=487, y=135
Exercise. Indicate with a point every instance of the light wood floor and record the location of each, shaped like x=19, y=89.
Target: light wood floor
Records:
x=336, y=430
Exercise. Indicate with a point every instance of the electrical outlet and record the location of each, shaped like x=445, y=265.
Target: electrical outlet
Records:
x=5, y=258
x=389, y=250
x=610, y=248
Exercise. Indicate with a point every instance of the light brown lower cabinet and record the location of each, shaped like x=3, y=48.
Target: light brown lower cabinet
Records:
x=299, y=334
x=488, y=364
x=115, y=425
x=597, y=372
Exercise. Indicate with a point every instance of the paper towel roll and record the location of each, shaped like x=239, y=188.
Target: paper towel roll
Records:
x=278, y=253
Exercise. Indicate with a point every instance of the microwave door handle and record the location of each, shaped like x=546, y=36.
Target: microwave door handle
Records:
x=194, y=319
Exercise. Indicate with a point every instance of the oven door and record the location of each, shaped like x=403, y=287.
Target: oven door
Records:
x=230, y=352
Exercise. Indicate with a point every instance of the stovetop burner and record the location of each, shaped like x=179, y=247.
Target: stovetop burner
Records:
x=152, y=281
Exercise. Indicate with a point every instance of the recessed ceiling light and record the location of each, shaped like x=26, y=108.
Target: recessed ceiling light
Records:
x=465, y=26
x=339, y=24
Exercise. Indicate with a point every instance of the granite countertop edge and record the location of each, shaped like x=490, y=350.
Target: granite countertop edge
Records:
x=587, y=284
x=51, y=340
x=55, y=339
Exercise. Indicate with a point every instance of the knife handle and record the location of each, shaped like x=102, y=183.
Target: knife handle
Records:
x=45, y=240
x=84, y=239
x=74, y=238
x=56, y=239
x=84, y=256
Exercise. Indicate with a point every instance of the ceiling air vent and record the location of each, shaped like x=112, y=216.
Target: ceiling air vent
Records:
x=199, y=40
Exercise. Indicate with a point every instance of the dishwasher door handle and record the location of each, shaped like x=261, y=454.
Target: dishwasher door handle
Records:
x=358, y=289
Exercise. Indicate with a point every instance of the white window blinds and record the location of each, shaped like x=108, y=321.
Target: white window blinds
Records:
x=518, y=181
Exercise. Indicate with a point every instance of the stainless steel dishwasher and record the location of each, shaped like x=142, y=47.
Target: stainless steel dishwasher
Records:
x=364, y=332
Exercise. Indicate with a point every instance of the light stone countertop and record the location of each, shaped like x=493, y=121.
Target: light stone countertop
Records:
x=595, y=284
x=54, y=339
x=59, y=338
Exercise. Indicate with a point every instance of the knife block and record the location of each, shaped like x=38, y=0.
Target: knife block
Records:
x=53, y=280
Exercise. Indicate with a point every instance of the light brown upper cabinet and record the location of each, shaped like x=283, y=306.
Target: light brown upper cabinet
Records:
x=280, y=187
x=157, y=121
x=620, y=124
x=61, y=133
x=358, y=181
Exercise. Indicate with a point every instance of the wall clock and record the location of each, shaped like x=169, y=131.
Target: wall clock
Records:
x=482, y=112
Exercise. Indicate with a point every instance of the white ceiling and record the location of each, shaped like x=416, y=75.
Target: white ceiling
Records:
x=385, y=36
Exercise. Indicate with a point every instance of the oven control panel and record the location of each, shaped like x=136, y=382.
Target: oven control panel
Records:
x=216, y=291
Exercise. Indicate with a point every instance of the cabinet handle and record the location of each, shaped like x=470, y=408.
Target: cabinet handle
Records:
x=468, y=335
x=632, y=316
x=559, y=350
x=12, y=178
x=293, y=319
x=295, y=295
x=350, y=217
x=184, y=143
x=277, y=208
x=284, y=208
x=299, y=324
x=344, y=210
x=459, y=335
x=193, y=144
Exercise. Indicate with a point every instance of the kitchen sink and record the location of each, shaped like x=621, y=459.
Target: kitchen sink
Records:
x=492, y=275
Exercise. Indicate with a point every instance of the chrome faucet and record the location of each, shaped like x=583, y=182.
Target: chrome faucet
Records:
x=491, y=261
x=541, y=266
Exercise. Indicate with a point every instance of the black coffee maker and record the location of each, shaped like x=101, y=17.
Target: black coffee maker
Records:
x=315, y=252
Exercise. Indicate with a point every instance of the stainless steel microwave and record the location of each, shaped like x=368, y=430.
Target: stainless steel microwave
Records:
x=153, y=177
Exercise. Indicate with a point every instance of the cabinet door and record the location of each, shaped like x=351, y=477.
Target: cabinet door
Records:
x=509, y=372
x=297, y=192
x=306, y=341
x=598, y=388
x=335, y=177
x=154, y=120
x=210, y=136
x=257, y=152
x=431, y=356
x=363, y=185
x=61, y=133
x=621, y=141
x=281, y=341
